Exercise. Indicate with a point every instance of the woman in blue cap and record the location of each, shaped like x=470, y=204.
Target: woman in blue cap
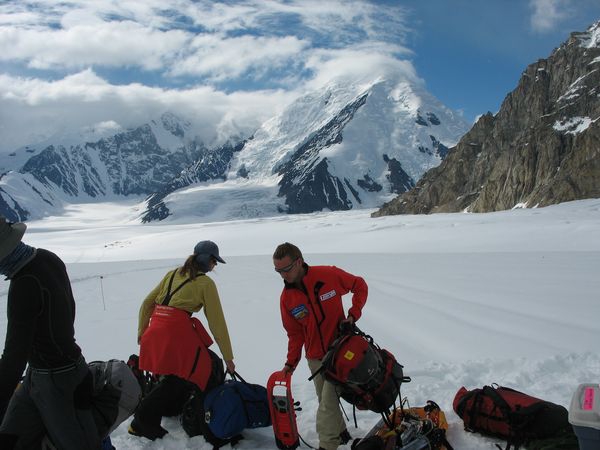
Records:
x=173, y=344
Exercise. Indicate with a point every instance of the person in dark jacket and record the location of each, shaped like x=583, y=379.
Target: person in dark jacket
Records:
x=312, y=312
x=54, y=397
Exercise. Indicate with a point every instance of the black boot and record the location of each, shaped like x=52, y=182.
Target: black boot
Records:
x=345, y=437
x=137, y=428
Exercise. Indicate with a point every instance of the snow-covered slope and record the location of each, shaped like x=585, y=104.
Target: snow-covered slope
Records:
x=460, y=299
x=347, y=145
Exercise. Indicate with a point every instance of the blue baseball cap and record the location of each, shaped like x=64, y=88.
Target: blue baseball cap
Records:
x=208, y=248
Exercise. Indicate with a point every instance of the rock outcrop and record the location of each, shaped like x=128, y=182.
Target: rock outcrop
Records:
x=541, y=148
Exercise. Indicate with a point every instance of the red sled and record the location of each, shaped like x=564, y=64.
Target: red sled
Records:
x=283, y=414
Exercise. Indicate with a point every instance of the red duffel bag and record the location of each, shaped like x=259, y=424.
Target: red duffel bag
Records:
x=509, y=414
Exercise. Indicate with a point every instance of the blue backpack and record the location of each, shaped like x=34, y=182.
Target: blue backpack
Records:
x=235, y=406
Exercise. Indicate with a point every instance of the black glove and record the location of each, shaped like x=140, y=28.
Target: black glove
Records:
x=346, y=327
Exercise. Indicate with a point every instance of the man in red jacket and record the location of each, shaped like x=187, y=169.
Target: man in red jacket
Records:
x=311, y=312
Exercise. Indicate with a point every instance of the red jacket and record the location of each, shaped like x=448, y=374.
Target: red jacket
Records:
x=312, y=312
x=176, y=344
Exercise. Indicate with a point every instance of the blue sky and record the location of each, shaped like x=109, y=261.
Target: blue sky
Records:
x=78, y=65
x=472, y=53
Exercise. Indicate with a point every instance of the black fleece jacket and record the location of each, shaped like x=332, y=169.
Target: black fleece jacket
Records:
x=41, y=312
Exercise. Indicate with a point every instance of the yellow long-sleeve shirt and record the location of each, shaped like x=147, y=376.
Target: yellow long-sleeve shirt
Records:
x=192, y=297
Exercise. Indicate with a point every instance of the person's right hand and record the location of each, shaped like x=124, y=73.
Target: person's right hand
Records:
x=230, y=366
x=287, y=369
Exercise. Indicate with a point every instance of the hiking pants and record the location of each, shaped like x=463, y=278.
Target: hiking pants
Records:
x=44, y=404
x=330, y=422
x=165, y=400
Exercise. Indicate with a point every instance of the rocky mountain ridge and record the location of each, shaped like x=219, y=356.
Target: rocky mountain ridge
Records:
x=541, y=148
x=134, y=162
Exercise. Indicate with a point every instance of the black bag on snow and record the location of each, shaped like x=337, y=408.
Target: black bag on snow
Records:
x=366, y=375
x=566, y=439
x=146, y=380
x=217, y=374
x=509, y=414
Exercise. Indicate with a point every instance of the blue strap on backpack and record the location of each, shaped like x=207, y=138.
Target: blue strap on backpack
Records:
x=235, y=406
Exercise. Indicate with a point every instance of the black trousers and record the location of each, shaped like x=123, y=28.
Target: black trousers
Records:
x=165, y=400
x=44, y=404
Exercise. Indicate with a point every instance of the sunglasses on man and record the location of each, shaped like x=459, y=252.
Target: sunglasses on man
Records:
x=287, y=268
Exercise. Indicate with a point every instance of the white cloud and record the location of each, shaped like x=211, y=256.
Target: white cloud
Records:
x=105, y=127
x=225, y=18
x=334, y=18
x=358, y=64
x=548, y=13
x=54, y=51
x=221, y=58
x=33, y=109
x=74, y=35
x=111, y=44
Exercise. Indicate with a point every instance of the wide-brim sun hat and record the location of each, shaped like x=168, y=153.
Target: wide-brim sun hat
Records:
x=208, y=248
x=10, y=236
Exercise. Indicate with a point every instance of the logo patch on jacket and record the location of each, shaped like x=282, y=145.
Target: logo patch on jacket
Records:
x=327, y=295
x=299, y=312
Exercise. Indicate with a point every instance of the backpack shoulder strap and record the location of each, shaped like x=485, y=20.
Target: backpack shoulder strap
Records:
x=492, y=393
x=167, y=298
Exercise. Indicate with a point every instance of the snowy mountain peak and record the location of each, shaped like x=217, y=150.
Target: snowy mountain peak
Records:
x=136, y=162
x=347, y=145
x=171, y=131
x=350, y=144
x=594, y=36
x=274, y=143
x=589, y=38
